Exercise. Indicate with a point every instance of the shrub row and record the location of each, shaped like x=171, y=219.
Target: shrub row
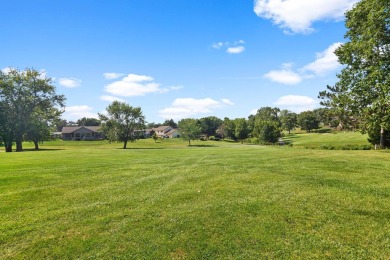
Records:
x=346, y=147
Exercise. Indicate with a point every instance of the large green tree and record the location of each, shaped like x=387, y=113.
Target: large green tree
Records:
x=210, y=125
x=363, y=87
x=288, y=120
x=241, y=129
x=22, y=94
x=122, y=122
x=308, y=121
x=267, y=125
x=88, y=121
x=189, y=129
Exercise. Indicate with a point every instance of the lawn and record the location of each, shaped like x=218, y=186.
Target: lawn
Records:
x=212, y=200
x=336, y=139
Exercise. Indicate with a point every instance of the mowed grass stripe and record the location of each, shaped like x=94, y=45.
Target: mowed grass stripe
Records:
x=228, y=201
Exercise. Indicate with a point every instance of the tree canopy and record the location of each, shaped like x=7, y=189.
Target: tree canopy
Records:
x=189, y=129
x=27, y=98
x=364, y=83
x=122, y=122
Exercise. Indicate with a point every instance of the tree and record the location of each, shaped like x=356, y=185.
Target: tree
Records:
x=210, y=125
x=88, y=121
x=267, y=125
x=241, y=129
x=363, y=87
x=288, y=120
x=269, y=133
x=39, y=128
x=22, y=93
x=122, y=122
x=155, y=137
x=189, y=129
x=170, y=123
x=308, y=121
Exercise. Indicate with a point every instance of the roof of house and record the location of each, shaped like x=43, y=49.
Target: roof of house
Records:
x=161, y=128
x=71, y=129
x=171, y=132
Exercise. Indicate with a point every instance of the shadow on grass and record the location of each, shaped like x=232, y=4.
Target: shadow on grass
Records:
x=141, y=148
x=39, y=150
x=201, y=145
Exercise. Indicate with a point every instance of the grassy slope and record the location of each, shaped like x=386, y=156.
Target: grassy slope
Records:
x=167, y=200
x=335, y=139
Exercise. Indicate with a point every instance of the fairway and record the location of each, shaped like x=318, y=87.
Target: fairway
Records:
x=213, y=200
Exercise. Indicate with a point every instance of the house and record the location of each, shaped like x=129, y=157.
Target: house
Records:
x=162, y=131
x=174, y=133
x=149, y=132
x=81, y=133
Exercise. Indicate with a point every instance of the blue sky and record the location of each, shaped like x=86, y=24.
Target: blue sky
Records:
x=176, y=58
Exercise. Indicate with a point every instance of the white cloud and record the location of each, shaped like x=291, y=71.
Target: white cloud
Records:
x=73, y=113
x=297, y=16
x=6, y=70
x=235, y=50
x=217, y=45
x=227, y=102
x=111, y=98
x=136, y=85
x=285, y=76
x=188, y=107
x=230, y=47
x=296, y=103
x=69, y=82
x=112, y=75
x=326, y=61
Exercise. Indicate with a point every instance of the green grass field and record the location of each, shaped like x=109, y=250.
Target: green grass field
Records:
x=212, y=200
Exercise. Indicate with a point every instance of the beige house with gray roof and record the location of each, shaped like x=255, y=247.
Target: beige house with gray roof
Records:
x=81, y=133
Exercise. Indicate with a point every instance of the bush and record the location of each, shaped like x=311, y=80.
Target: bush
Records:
x=327, y=147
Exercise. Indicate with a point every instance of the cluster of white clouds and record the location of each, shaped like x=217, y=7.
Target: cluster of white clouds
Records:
x=188, y=107
x=73, y=113
x=69, y=82
x=134, y=85
x=298, y=16
x=230, y=47
x=296, y=103
x=325, y=62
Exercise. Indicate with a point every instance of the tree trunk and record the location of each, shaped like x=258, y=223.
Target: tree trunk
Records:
x=382, y=138
x=8, y=147
x=125, y=145
x=36, y=144
x=189, y=142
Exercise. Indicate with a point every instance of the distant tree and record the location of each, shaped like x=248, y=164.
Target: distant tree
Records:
x=7, y=133
x=269, y=132
x=267, y=124
x=22, y=93
x=170, y=123
x=189, y=129
x=59, y=124
x=288, y=120
x=210, y=125
x=88, y=121
x=122, y=122
x=364, y=83
x=241, y=129
x=155, y=137
x=228, y=128
x=39, y=128
x=308, y=121
x=152, y=125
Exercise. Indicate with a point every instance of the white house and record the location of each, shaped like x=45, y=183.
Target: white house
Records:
x=174, y=133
